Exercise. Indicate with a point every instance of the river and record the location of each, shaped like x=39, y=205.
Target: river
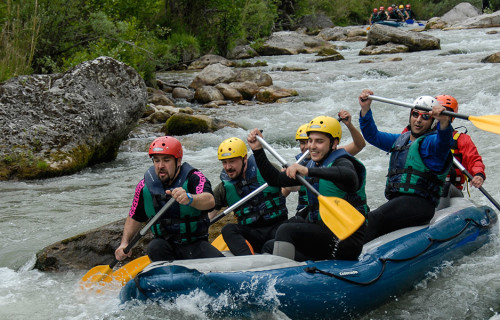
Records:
x=35, y=214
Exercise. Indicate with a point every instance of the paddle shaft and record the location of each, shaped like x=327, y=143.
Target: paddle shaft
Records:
x=145, y=229
x=249, y=196
x=412, y=106
x=467, y=173
x=283, y=162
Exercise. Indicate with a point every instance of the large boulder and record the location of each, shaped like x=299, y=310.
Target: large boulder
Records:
x=88, y=249
x=51, y=125
x=181, y=124
x=290, y=43
x=460, y=12
x=343, y=34
x=483, y=21
x=415, y=41
x=315, y=22
x=97, y=247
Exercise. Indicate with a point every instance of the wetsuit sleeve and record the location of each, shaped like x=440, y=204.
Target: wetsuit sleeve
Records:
x=220, y=196
x=273, y=176
x=471, y=159
x=379, y=139
x=198, y=183
x=137, y=211
x=435, y=148
x=342, y=173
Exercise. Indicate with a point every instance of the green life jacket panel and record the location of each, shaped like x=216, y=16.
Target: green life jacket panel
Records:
x=330, y=189
x=408, y=173
x=269, y=205
x=181, y=223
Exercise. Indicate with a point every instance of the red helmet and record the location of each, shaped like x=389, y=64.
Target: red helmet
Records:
x=381, y=8
x=166, y=145
x=408, y=6
x=448, y=102
x=375, y=10
x=389, y=9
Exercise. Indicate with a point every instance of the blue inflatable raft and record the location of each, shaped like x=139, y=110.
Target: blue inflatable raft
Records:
x=387, y=267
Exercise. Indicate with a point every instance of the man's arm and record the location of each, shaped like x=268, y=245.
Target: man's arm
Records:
x=342, y=173
x=471, y=160
x=129, y=231
x=381, y=140
x=200, y=190
x=358, y=142
x=220, y=200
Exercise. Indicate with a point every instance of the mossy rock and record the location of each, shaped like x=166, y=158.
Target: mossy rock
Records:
x=181, y=124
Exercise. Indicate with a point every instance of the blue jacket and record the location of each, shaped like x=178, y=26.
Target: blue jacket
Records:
x=433, y=150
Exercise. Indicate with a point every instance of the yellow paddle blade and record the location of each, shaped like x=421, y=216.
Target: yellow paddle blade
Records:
x=339, y=216
x=220, y=244
x=490, y=123
x=128, y=271
x=97, y=274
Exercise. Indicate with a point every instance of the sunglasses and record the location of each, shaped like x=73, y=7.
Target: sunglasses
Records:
x=416, y=114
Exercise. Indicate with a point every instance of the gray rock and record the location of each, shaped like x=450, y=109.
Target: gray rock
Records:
x=460, y=12
x=51, y=125
x=387, y=48
x=242, y=52
x=212, y=75
x=229, y=92
x=207, y=60
x=290, y=42
x=206, y=94
x=260, y=78
x=87, y=250
x=316, y=21
x=415, y=41
x=482, y=21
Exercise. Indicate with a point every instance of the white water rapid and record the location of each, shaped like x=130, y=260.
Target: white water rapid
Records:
x=34, y=214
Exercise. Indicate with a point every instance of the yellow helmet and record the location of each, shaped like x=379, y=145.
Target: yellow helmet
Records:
x=232, y=148
x=327, y=125
x=301, y=132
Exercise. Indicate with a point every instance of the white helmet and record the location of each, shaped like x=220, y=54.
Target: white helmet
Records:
x=426, y=101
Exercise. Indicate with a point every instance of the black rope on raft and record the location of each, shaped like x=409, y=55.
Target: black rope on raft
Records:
x=385, y=260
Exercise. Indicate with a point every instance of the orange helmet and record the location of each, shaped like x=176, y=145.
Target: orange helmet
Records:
x=381, y=8
x=166, y=145
x=389, y=9
x=448, y=102
x=375, y=10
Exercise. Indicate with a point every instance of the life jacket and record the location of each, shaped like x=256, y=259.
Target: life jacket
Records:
x=302, y=200
x=456, y=176
x=409, y=175
x=330, y=189
x=180, y=223
x=268, y=206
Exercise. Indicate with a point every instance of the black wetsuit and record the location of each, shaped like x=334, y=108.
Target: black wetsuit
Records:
x=314, y=240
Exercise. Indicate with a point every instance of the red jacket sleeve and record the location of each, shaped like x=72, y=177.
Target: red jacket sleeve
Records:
x=471, y=159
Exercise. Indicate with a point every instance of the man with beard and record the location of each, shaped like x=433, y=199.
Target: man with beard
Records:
x=182, y=232
x=259, y=217
x=420, y=160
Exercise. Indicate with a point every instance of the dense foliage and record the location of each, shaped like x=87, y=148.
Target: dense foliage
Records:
x=47, y=36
